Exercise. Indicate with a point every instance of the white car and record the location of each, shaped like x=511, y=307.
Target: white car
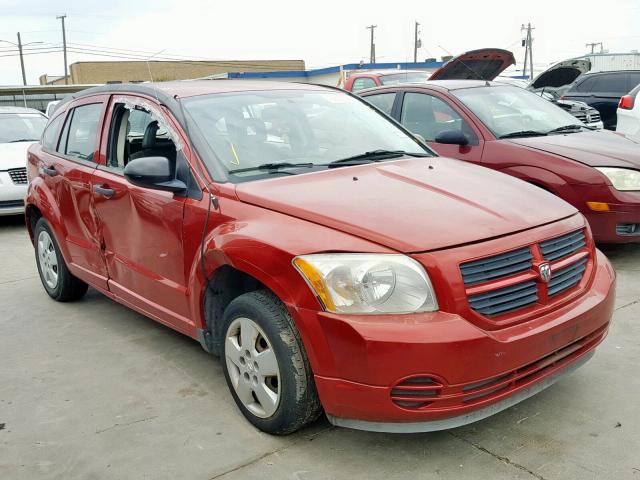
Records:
x=19, y=128
x=629, y=114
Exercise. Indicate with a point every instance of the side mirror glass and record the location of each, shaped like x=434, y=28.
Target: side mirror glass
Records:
x=452, y=137
x=154, y=173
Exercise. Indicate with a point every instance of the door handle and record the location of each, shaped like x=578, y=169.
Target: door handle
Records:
x=51, y=171
x=104, y=191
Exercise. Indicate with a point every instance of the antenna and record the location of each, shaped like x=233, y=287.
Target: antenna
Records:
x=479, y=77
x=155, y=90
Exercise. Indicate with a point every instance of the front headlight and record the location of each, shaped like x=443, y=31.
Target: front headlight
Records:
x=368, y=283
x=623, y=179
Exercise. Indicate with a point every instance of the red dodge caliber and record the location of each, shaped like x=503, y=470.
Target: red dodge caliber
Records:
x=331, y=260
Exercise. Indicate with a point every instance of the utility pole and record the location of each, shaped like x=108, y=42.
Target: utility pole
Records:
x=64, y=47
x=417, y=43
x=593, y=46
x=372, y=54
x=20, y=45
x=528, y=50
x=24, y=76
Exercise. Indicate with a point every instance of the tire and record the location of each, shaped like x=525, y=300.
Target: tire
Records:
x=56, y=278
x=275, y=336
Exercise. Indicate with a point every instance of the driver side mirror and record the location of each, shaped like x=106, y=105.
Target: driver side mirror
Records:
x=154, y=173
x=452, y=137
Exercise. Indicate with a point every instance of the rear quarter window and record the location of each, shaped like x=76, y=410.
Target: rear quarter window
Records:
x=50, y=135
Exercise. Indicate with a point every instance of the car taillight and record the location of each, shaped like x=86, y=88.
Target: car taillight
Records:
x=626, y=102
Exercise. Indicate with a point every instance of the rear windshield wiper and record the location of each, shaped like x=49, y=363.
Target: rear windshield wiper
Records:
x=273, y=167
x=523, y=133
x=566, y=128
x=373, y=156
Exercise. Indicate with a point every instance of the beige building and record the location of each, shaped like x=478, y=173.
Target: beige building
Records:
x=162, y=71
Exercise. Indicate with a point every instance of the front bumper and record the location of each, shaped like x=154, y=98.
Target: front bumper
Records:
x=479, y=372
x=610, y=227
x=11, y=195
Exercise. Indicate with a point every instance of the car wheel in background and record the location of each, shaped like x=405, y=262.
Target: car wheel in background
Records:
x=265, y=365
x=56, y=278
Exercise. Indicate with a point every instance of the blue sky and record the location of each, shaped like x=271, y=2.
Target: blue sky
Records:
x=321, y=33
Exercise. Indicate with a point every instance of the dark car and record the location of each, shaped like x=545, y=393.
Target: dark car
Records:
x=517, y=132
x=602, y=91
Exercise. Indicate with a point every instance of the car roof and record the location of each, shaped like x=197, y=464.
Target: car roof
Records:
x=192, y=88
x=443, y=84
x=607, y=72
x=19, y=110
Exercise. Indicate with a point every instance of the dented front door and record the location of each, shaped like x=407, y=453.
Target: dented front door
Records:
x=142, y=236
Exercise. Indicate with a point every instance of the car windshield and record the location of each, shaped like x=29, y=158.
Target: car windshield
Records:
x=294, y=130
x=508, y=111
x=406, y=77
x=21, y=127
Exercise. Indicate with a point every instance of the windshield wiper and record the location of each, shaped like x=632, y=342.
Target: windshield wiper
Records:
x=273, y=167
x=566, y=128
x=523, y=133
x=24, y=140
x=373, y=156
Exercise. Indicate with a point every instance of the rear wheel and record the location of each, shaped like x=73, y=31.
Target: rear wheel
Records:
x=265, y=365
x=56, y=278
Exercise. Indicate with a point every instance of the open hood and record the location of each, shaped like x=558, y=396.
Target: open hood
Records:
x=408, y=207
x=483, y=64
x=561, y=74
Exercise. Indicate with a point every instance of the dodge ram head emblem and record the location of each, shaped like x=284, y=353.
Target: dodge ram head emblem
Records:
x=545, y=272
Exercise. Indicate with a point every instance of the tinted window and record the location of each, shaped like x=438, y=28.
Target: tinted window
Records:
x=50, y=135
x=383, y=101
x=633, y=80
x=361, y=83
x=585, y=85
x=615, y=82
x=428, y=116
x=79, y=137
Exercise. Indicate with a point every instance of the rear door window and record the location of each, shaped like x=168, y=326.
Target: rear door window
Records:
x=614, y=82
x=633, y=80
x=383, y=101
x=80, y=134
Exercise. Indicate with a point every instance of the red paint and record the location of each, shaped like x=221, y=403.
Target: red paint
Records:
x=561, y=164
x=142, y=248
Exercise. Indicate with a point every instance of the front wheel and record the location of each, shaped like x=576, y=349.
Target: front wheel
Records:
x=265, y=365
x=56, y=278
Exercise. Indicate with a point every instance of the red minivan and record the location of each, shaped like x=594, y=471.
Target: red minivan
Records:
x=332, y=261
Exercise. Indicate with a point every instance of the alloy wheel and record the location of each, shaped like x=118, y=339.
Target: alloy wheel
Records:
x=48, y=260
x=253, y=367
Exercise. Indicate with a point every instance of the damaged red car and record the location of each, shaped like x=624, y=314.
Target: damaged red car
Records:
x=333, y=262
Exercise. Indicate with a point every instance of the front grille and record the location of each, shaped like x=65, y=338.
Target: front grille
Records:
x=19, y=176
x=566, y=278
x=502, y=265
x=505, y=300
x=563, y=246
x=587, y=117
x=11, y=203
x=595, y=116
x=628, y=229
x=513, y=292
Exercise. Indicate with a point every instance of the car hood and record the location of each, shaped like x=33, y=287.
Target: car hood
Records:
x=561, y=74
x=600, y=148
x=410, y=205
x=482, y=64
x=14, y=155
